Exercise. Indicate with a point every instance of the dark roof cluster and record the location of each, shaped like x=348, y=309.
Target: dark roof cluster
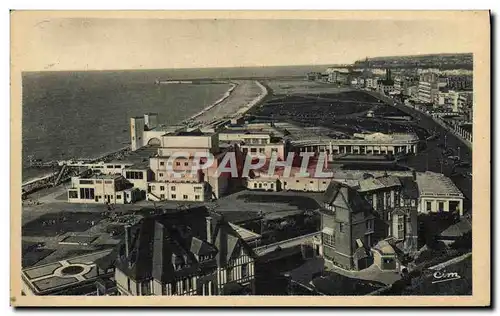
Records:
x=174, y=245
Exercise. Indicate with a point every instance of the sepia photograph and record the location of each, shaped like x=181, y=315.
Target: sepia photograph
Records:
x=307, y=158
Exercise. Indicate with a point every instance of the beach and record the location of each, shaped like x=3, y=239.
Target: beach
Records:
x=241, y=97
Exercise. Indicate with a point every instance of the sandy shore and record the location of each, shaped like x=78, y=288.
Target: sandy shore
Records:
x=208, y=108
x=238, y=100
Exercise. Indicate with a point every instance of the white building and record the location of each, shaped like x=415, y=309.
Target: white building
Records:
x=428, y=87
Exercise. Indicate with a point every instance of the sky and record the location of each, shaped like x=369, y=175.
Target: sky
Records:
x=117, y=43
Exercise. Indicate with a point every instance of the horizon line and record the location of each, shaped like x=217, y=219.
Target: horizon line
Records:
x=230, y=67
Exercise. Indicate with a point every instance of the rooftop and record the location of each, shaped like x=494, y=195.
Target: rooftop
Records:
x=436, y=184
x=246, y=235
x=384, y=248
x=102, y=176
x=371, y=184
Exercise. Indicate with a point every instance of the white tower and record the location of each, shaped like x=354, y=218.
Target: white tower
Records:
x=137, y=125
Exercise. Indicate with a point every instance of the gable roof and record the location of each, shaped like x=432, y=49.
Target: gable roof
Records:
x=353, y=200
x=228, y=241
x=383, y=182
x=168, y=246
x=160, y=243
x=331, y=191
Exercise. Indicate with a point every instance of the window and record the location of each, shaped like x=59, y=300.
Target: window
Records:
x=229, y=273
x=368, y=240
x=172, y=188
x=177, y=163
x=86, y=182
x=412, y=202
x=162, y=188
x=284, y=183
x=244, y=270
x=342, y=227
x=133, y=175
x=369, y=224
x=329, y=240
x=128, y=285
x=274, y=150
x=311, y=182
x=173, y=286
x=186, y=163
x=87, y=193
x=297, y=181
x=73, y=194
x=185, y=197
x=174, y=196
x=118, y=197
x=261, y=150
x=429, y=207
x=255, y=185
x=271, y=185
x=145, y=288
x=196, y=197
x=401, y=226
x=162, y=196
x=186, y=285
x=253, y=150
x=198, y=189
x=118, y=166
x=380, y=201
x=441, y=206
x=98, y=181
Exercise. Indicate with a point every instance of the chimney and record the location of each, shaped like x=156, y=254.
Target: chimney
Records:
x=127, y=240
x=209, y=228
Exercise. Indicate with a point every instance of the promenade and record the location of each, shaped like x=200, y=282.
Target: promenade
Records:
x=244, y=95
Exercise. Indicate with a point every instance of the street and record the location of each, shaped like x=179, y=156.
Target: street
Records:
x=432, y=158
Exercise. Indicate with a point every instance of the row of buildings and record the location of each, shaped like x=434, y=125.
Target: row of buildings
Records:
x=195, y=251
x=159, y=175
x=452, y=93
x=447, y=92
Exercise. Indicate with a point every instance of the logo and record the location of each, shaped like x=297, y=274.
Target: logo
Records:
x=443, y=276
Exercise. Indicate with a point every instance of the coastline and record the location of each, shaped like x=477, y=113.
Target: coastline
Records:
x=191, y=120
x=237, y=101
x=226, y=95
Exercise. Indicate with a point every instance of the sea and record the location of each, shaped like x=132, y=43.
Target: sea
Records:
x=84, y=114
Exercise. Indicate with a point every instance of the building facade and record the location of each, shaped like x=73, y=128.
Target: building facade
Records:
x=356, y=219
x=103, y=189
x=428, y=87
x=184, y=253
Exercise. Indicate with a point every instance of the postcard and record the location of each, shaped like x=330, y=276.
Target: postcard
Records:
x=273, y=158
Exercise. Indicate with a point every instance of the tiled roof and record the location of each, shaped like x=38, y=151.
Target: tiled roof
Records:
x=160, y=244
x=378, y=183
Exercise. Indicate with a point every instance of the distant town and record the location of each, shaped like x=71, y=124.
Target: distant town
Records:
x=352, y=181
